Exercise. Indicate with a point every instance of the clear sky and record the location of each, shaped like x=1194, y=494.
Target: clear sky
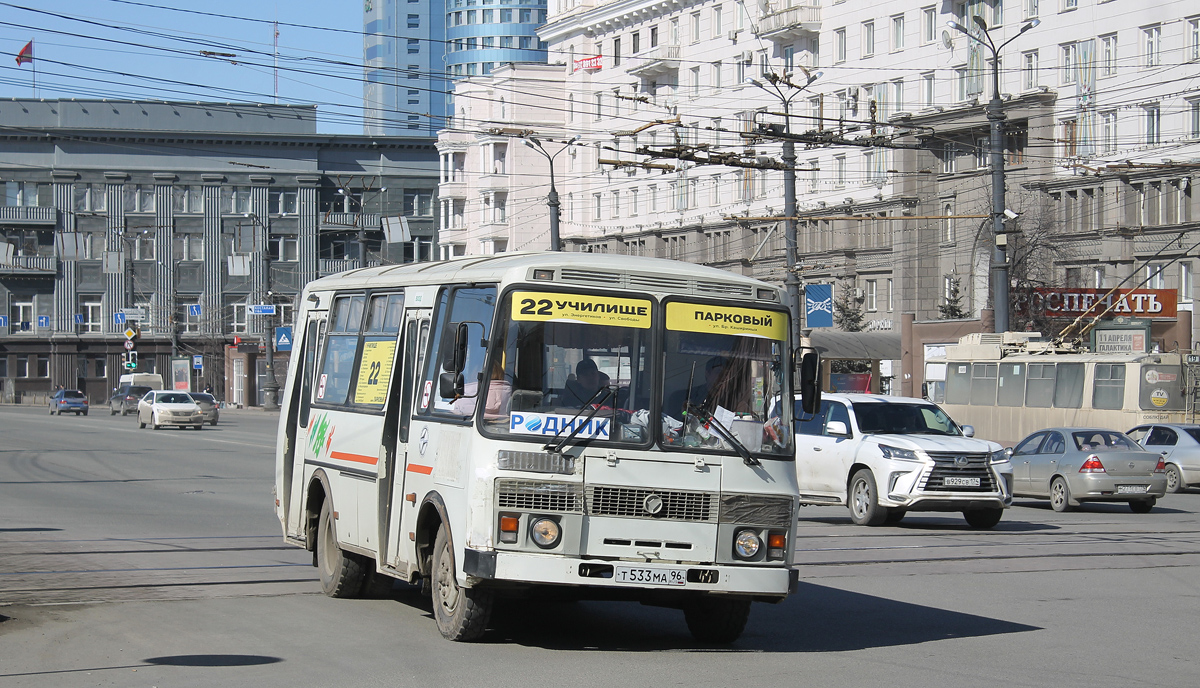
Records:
x=142, y=49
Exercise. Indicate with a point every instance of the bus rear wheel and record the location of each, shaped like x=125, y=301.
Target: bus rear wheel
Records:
x=713, y=619
x=342, y=573
x=461, y=613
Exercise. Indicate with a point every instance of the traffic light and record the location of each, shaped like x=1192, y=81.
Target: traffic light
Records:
x=130, y=358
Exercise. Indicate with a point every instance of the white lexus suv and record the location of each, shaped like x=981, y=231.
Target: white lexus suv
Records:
x=885, y=456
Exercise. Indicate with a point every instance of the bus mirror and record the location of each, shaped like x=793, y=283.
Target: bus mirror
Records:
x=454, y=349
x=451, y=385
x=810, y=382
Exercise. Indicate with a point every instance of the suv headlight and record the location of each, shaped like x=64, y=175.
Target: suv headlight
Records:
x=1000, y=456
x=890, y=452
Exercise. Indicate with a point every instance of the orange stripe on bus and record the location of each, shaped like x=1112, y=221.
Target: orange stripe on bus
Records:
x=423, y=470
x=357, y=458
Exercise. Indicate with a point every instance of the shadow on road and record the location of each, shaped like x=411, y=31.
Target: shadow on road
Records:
x=1099, y=507
x=212, y=660
x=815, y=619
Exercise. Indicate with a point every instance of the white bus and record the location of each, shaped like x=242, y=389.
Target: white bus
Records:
x=1007, y=391
x=492, y=423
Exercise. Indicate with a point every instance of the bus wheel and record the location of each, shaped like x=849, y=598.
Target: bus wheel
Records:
x=461, y=613
x=713, y=619
x=864, y=505
x=341, y=572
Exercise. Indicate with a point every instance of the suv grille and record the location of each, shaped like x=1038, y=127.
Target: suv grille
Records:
x=632, y=502
x=534, y=495
x=946, y=466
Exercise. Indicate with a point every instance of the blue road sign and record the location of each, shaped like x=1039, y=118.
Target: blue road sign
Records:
x=118, y=318
x=43, y=321
x=198, y=361
x=194, y=310
x=283, y=339
x=261, y=309
x=79, y=318
x=3, y=321
x=818, y=305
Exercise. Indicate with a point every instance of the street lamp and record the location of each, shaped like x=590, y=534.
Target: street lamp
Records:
x=551, y=200
x=995, y=116
x=270, y=385
x=785, y=90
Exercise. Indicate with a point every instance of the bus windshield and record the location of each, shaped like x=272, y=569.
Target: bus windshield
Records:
x=725, y=364
x=558, y=357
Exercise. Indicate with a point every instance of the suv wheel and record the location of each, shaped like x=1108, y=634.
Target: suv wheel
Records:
x=864, y=502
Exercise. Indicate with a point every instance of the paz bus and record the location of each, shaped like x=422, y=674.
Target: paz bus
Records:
x=611, y=425
x=1008, y=386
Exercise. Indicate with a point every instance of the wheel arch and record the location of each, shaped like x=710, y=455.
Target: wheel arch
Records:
x=431, y=516
x=855, y=468
x=314, y=498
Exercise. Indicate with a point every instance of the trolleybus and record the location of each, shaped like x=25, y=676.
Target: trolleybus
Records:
x=614, y=426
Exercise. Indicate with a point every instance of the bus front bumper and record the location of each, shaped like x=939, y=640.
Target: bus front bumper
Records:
x=519, y=567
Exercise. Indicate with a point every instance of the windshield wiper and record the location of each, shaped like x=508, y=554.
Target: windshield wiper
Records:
x=747, y=457
x=611, y=391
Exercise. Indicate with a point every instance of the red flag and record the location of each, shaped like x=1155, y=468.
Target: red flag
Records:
x=26, y=54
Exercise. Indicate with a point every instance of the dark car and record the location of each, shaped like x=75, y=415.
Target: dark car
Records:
x=208, y=404
x=126, y=398
x=68, y=400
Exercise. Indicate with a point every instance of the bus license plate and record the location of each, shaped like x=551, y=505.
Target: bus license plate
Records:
x=1131, y=489
x=953, y=481
x=645, y=575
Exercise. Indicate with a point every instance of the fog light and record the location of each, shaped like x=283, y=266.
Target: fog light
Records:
x=545, y=533
x=508, y=529
x=746, y=544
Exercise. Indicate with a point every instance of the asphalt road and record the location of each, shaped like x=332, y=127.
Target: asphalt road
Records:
x=140, y=558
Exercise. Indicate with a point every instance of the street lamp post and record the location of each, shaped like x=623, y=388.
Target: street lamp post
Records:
x=996, y=118
x=552, y=199
x=783, y=88
x=270, y=385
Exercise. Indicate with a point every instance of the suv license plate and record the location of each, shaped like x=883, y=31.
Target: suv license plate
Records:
x=1132, y=489
x=647, y=575
x=952, y=481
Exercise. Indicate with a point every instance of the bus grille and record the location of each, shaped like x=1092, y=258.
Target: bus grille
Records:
x=633, y=502
x=534, y=495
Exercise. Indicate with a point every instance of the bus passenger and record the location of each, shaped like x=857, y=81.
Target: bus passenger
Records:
x=588, y=380
x=499, y=392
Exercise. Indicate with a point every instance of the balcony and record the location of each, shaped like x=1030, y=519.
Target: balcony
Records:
x=658, y=60
x=343, y=220
x=453, y=189
x=32, y=266
x=787, y=25
x=33, y=215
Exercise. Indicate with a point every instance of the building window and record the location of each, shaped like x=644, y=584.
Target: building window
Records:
x=616, y=54
x=596, y=206
x=1031, y=9
x=928, y=24
x=1067, y=73
x=635, y=43
x=1152, y=118
x=839, y=46
x=91, y=198
x=695, y=27
x=949, y=158
x=1152, y=46
x=1192, y=51
x=898, y=32
x=927, y=92
x=714, y=72
x=947, y=222
x=839, y=167
x=868, y=39
x=871, y=291
x=1186, y=282
x=284, y=248
x=890, y=296
x=1194, y=118
x=960, y=85
x=1108, y=55
x=91, y=314
x=414, y=21
x=1154, y=276
x=717, y=27
x=1108, y=132
x=1029, y=70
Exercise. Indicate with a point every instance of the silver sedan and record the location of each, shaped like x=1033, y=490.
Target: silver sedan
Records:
x=1075, y=465
x=1180, y=443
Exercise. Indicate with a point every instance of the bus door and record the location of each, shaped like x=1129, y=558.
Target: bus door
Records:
x=299, y=423
x=415, y=337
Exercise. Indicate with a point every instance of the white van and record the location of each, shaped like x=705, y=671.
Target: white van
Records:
x=151, y=380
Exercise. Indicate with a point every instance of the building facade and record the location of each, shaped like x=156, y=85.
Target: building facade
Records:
x=893, y=176
x=192, y=213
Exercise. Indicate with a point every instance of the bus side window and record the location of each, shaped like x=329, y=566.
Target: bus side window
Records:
x=469, y=305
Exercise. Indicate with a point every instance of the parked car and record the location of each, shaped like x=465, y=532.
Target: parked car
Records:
x=1070, y=466
x=125, y=399
x=1181, y=445
x=208, y=405
x=69, y=400
x=884, y=456
x=166, y=407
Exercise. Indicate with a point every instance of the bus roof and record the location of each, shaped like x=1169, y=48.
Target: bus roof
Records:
x=596, y=270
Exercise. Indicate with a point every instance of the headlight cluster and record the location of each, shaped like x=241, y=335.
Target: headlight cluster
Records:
x=1000, y=456
x=545, y=532
x=748, y=543
x=890, y=452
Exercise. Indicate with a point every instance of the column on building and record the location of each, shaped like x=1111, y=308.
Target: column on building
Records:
x=117, y=261
x=212, y=321
x=162, y=301
x=62, y=364
x=260, y=279
x=307, y=242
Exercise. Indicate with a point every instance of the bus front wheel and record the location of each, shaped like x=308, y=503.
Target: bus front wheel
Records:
x=461, y=613
x=341, y=572
x=713, y=619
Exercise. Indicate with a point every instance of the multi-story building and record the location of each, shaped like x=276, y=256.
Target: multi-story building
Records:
x=1101, y=141
x=413, y=50
x=192, y=212
x=494, y=186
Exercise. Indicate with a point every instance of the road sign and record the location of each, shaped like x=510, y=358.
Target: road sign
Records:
x=261, y=309
x=198, y=361
x=129, y=345
x=118, y=318
x=194, y=310
x=43, y=321
x=1193, y=358
x=134, y=313
x=130, y=333
x=283, y=339
x=79, y=318
x=3, y=321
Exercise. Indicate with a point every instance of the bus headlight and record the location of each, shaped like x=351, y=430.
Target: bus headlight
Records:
x=545, y=533
x=746, y=544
